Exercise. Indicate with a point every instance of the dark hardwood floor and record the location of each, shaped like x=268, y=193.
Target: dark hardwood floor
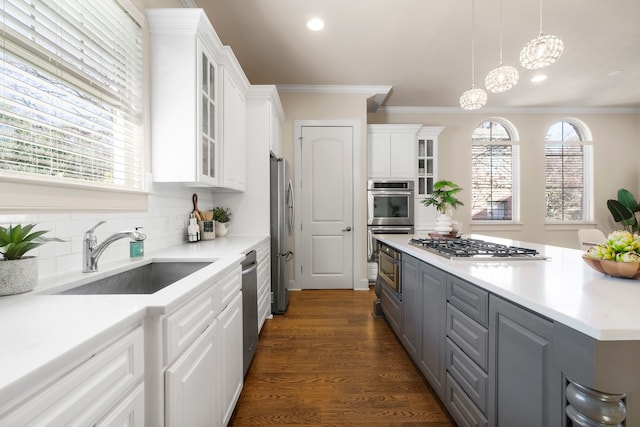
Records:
x=329, y=362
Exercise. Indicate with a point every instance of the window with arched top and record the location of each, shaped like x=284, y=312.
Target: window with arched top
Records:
x=568, y=171
x=494, y=167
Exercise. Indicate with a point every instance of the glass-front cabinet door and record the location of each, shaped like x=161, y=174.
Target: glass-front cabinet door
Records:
x=208, y=111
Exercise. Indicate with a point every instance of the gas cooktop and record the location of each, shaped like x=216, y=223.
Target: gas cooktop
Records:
x=475, y=249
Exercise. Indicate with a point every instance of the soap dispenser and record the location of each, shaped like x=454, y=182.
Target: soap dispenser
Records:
x=193, y=231
x=136, y=247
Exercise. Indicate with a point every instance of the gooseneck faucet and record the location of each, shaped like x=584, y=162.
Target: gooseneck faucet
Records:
x=93, y=250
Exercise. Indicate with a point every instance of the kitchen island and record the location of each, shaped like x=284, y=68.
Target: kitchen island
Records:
x=531, y=342
x=106, y=359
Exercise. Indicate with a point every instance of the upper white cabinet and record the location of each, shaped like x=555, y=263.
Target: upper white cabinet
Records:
x=392, y=151
x=265, y=117
x=198, y=115
x=427, y=175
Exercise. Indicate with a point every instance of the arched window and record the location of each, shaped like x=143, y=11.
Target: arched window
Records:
x=568, y=172
x=494, y=167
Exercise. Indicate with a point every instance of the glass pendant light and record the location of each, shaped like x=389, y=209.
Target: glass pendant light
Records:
x=504, y=77
x=474, y=98
x=542, y=51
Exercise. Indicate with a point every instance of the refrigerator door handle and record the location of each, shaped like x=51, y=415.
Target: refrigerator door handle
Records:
x=291, y=203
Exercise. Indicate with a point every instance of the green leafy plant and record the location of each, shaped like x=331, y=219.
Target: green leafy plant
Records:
x=221, y=214
x=18, y=240
x=624, y=210
x=443, y=196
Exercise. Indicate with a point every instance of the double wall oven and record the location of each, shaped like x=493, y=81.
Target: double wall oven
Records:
x=390, y=210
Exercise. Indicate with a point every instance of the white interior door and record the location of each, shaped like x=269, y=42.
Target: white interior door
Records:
x=327, y=207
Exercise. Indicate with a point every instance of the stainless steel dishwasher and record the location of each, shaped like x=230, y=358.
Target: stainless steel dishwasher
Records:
x=249, y=308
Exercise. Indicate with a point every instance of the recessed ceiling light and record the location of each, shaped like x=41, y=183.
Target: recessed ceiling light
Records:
x=315, y=24
x=538, y=78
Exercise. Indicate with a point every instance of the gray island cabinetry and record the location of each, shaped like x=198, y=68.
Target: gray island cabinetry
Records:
x=509, y=343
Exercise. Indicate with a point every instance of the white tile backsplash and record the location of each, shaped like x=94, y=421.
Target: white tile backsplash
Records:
x=164, y=223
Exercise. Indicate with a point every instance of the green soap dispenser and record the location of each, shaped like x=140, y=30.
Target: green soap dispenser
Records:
x=136, y=247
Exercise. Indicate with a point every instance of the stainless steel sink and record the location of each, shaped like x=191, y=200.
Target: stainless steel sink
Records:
x=145, y=279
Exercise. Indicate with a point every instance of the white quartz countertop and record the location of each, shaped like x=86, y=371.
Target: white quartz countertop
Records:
x=41, y=333
x=562, y=287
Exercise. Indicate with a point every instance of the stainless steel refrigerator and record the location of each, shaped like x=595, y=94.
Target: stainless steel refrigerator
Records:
x=282, y=222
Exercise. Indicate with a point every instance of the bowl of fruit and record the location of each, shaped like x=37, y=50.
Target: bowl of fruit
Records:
x=619, y=256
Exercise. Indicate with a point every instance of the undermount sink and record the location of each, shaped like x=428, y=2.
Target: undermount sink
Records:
x=146, y=279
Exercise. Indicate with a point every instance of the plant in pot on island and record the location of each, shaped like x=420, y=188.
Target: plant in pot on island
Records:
x=19, y=273
x=222, y=217
x=444, y=199
x=620, y=255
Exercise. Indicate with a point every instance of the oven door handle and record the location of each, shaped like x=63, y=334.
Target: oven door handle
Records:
x=390, y=193
x=369, y=207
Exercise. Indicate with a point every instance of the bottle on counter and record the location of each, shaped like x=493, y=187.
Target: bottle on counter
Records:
x=136, y=247
x=193, y=231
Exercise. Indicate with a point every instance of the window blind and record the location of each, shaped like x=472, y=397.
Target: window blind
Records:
x=71, y=82
x=492, y=184
x=564, y=175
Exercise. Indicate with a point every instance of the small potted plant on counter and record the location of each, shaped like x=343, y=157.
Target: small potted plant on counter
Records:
x=222, y=217
x=19, y=273
x=444, y=199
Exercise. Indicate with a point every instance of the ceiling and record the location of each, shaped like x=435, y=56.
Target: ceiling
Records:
x=422, y=48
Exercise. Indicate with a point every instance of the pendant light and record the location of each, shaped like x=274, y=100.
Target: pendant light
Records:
x=504, y=77
x=542, y=51
x=474, y=98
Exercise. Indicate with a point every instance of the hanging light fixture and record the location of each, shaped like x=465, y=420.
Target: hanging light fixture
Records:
x=542, y=51
x=504, y=77
x=474, y=98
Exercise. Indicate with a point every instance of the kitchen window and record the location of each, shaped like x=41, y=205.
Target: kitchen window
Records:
x=494, y=171
x=568, y=172
x=71, y=82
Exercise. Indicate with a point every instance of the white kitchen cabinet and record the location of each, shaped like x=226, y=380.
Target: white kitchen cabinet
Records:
x=192, y=382
x=426, y=175
x=128, y=413
x=264, y=282
x=392, y=151
x=265, y=117
x=232, y=356
x=194, y=81
x=199, y=357
x=87, y=390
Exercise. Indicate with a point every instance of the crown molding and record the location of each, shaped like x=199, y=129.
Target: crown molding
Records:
x=373, y=103
x=511, y=110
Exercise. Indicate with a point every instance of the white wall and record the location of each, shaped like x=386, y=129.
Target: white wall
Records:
x=616, y=140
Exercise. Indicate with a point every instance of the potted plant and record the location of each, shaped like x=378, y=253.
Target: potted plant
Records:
x=222, y=217
x=444, y=199
x=624, y=210
x=19, y=273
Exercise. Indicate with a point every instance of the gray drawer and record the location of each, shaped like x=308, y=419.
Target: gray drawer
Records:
x=472, y=300
x=469, y=335
x=468, y=375
x=461, y=408
x=391, y=309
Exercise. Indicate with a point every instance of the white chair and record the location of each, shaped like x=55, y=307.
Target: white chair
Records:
x=590, y=237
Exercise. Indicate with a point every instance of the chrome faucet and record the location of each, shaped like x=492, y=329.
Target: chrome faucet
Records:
x=93, y=250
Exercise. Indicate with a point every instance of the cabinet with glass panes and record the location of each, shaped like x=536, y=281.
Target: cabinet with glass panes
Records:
x=426, y=164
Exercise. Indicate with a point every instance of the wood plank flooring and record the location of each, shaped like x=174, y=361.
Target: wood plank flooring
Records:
x=329, y=362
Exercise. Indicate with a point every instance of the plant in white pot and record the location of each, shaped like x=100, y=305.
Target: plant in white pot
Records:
x=444, y=199
x=19, y=273
x=222, y=217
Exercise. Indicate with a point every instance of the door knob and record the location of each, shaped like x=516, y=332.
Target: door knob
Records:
x=347, y=229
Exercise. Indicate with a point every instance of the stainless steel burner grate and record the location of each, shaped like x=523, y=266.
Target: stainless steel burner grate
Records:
x=475, y=249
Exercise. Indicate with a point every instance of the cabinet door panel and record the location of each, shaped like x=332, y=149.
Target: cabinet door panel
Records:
x=192, y=386
x=128, y=413
x=402, y=156
x=379, y=151
x=525, y=386
x=432, y=354
x=231, y=345
x=411, y=307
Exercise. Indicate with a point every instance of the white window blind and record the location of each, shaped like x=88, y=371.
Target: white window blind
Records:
x=566, y=160
x=71, y=93
x=493, y=163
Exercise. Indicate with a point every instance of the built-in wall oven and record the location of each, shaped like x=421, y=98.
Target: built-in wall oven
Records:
x=390, y=202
